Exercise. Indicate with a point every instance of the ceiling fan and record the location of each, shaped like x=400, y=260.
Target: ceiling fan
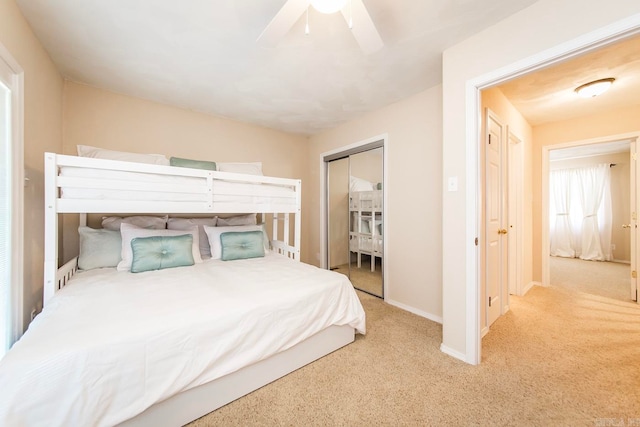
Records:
x=354, y=12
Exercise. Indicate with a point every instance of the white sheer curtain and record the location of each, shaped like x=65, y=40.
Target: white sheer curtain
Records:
x=561, y=233
x=581, y=213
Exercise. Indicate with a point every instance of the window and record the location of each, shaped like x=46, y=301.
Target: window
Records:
x=11, y=201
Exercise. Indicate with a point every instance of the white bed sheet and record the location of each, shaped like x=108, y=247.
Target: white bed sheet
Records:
x=110, y=344
x=224, y=191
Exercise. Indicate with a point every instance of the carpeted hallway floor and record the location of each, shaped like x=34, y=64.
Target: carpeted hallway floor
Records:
x=559, y=357
x=607, y=279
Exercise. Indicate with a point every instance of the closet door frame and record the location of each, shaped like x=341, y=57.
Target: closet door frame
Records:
x=347, y=149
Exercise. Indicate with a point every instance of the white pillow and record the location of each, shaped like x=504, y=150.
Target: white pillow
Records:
x=359, y=184
x=213, y=233
x=129, y=232
x=123, y=156
x=187, y=223
x=252, y=168
x=250, y=219
x=148, y=222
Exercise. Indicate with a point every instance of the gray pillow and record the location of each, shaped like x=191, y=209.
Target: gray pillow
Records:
x=249, y=219
x=188, y=223
x=148, y=222
x=98, y=248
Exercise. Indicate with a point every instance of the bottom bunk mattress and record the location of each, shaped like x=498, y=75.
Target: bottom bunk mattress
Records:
x=111, y=344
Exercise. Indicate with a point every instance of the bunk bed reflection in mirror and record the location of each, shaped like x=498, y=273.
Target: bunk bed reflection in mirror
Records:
x=355, y=229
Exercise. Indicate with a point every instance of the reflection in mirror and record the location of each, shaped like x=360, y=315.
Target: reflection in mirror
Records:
x=365, y=221
x=355, y=223
x=338, y=206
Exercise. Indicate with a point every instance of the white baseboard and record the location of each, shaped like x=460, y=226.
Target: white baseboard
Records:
x=528, y=287
x=621, y=261
x=433, y=317
x=484, y=331
x=453, y=353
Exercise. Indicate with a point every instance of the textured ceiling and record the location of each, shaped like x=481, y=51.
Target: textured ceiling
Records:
x=548, y=95
x=589, y=150
x=202, y=54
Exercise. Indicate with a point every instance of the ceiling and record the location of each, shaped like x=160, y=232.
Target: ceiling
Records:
x=202, y=54
x=548, y=95
x=588, y=150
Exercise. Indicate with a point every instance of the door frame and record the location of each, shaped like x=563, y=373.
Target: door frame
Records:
x=17, y=197
x=324, y=262
x=516, y=213
x=545, y=190
x=589, y=41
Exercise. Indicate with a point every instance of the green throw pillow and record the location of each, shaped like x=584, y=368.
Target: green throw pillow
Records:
x=193, y=164
x=98, y=248
x=242, y=245
x=159, y=252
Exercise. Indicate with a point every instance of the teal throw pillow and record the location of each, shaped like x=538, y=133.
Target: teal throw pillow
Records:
x=242, y=245
x=159, y=252
x=193, y=164
x=99, y=248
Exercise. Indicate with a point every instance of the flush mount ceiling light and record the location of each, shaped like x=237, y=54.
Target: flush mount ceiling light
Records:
x=595, y=88
x=328, y=6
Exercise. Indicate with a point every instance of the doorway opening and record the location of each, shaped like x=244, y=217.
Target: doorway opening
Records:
x=474, y=316
x=590, y=211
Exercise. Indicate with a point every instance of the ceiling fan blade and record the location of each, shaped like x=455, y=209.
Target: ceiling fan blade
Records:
x=363, y=28
x=283, y=21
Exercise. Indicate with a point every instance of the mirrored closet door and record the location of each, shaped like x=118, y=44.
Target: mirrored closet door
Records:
x=355, y=216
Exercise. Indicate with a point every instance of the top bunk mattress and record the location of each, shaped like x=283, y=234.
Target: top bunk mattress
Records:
x=110, y=344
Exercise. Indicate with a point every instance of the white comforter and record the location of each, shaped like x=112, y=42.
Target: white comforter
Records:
x=111, y=344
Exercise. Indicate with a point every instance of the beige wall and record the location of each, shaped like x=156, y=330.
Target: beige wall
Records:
x=614, y=122
x=509, y=116
x=620, y=212
x=42, y=132
x=519, y=39
x=104, y=119
x=414, y=195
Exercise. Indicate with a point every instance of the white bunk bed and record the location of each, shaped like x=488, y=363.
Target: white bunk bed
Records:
x=365, y=237
x=86, y=185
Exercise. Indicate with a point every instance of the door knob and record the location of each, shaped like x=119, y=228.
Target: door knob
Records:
x=502, y=231
x=626, y=225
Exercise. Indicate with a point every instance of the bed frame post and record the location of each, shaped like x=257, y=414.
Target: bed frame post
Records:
x=298, y=220
x=50, y=227
x=275, y=226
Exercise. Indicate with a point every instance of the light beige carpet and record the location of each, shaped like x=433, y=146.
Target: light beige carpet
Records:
x=607, y=279
x=363, y=278
x=558, y=358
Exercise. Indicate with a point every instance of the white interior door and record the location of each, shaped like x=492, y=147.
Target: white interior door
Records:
x=495, y=217
x=633, y=230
